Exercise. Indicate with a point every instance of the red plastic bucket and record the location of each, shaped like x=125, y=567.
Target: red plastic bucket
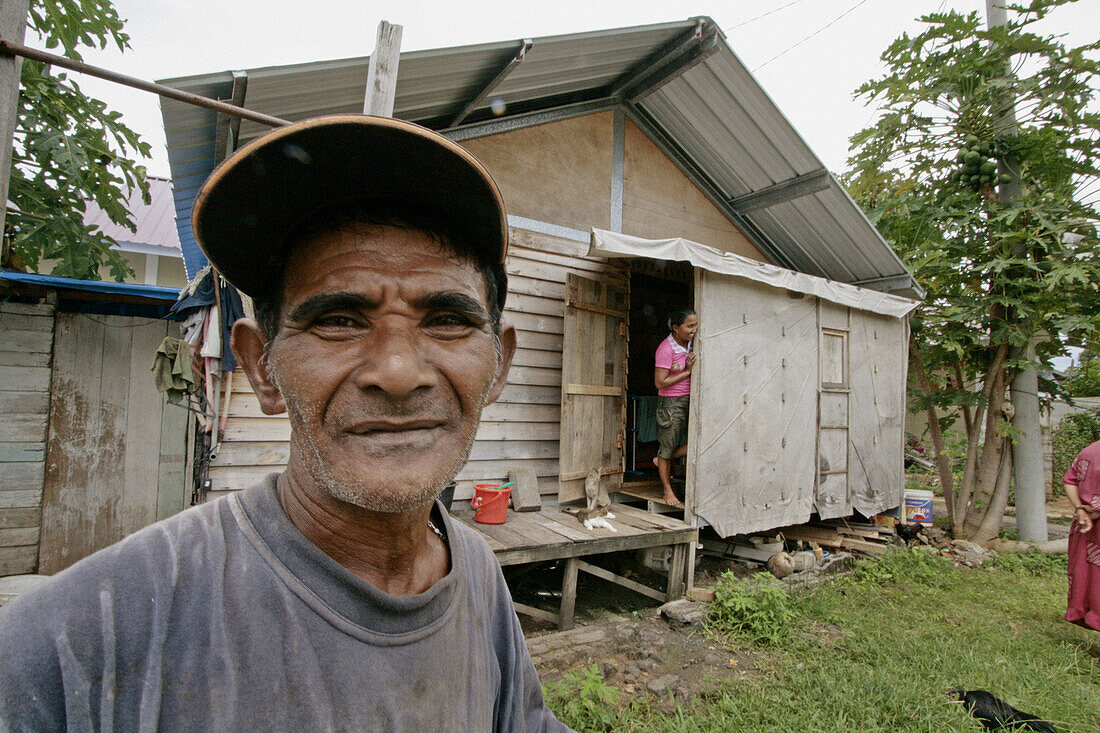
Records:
x=490, y=503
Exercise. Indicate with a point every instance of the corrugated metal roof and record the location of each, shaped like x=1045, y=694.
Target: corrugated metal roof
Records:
x=155, y=222
x=710, y=115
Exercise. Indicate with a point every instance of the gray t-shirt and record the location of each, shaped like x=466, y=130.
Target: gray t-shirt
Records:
x=227, y=618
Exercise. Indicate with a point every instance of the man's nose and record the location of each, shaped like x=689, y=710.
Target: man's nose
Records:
x=393, y=362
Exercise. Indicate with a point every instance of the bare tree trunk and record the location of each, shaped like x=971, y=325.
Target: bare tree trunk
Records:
x=990, y=525
x=988, y=465
x=984, y=493
x=973, y=445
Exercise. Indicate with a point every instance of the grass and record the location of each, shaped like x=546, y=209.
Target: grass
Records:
x=879, y=650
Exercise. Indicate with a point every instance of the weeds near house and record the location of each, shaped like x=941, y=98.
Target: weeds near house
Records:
x=756, y=610
x=920, y=565
x=583, y=701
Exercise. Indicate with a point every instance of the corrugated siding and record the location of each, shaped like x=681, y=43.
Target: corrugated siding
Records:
x=155, y=221
x=26, y=349
x=520, y=430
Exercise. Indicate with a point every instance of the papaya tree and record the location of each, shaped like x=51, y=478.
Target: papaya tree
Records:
x=1011, y=280
x=69, y=149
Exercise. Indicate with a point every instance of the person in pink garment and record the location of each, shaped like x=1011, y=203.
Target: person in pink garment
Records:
x=672, y=376
x=1082, y=484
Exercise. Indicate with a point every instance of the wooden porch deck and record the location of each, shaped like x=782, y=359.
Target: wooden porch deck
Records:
x=551, y=534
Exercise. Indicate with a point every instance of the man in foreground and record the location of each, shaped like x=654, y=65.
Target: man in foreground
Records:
x=337, y=595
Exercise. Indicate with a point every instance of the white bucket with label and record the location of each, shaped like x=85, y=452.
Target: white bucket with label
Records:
x=918, y=507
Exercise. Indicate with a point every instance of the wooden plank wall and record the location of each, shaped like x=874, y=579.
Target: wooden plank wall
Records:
x=115, y=452
x=26, y=346
x=518, y=431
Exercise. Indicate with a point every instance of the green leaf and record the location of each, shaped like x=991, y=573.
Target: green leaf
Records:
x=70, y=149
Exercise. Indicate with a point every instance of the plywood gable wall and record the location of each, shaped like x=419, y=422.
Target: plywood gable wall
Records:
x=559, y=172
x=661, y=202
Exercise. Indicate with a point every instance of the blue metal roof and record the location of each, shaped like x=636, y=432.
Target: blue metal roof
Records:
x=155, y=292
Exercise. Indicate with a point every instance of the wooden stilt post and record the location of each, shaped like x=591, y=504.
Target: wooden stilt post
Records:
x=13, y=25
x=382, y=71
x=568, y=595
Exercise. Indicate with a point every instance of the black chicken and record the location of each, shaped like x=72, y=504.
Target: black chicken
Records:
x=996, y=714
x=908, y=532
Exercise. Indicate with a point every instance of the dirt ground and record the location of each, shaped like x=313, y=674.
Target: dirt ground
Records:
x=635, y=648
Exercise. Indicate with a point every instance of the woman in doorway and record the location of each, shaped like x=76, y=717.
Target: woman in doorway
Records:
x=672, y=377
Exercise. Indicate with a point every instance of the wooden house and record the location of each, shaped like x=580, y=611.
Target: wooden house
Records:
x=643, y=168
x=89, y=451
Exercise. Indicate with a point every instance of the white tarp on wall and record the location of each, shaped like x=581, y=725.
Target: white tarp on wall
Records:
x=753, y=422
x=613, y=244
x=876, y=437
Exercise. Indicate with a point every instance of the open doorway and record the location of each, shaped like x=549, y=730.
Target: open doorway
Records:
x=657, y=287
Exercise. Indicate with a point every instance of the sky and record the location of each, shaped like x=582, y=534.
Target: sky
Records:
x=809, y=55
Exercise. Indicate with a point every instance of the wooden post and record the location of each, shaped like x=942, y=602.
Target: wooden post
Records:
x=13, y=26
x=382, y=71
x=568, y=595
x=677, y=568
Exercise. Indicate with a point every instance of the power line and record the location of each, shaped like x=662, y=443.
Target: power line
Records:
x=819, y=30
x=763, y=15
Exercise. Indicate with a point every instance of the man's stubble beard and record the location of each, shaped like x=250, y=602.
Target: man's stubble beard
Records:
x=373, y=497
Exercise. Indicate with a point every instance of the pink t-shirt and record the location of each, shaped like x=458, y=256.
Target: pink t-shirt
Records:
x=673, y=357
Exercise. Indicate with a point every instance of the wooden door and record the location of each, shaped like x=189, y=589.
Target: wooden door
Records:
x=593, y=390
x=115, y=452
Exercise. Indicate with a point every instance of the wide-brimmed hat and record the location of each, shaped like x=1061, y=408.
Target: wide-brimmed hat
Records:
x=261, y=194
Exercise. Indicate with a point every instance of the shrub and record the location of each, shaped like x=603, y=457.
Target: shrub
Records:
x=583, y=701
x=1076, y=431
x=757, y=609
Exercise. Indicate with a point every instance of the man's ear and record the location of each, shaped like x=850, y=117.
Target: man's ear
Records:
x=248, y=344
x=507, y=338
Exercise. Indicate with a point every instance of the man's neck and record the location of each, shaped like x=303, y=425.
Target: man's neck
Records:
x=395, y=552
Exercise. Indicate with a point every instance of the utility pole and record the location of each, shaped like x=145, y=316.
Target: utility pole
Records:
x=1027, y=453
x=13, y=26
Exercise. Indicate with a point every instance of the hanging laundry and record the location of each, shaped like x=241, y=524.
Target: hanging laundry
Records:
x=209, y=294
x=232, y=309
x=172, y=369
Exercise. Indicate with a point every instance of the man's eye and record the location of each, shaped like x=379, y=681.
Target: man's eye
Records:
x=335, y=321
x=449, y=321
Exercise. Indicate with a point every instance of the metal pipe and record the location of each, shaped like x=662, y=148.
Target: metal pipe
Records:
x=15, y=49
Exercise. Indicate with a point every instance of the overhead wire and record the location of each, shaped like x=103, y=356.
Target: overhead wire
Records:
x=819, y=30
x=762, y=15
